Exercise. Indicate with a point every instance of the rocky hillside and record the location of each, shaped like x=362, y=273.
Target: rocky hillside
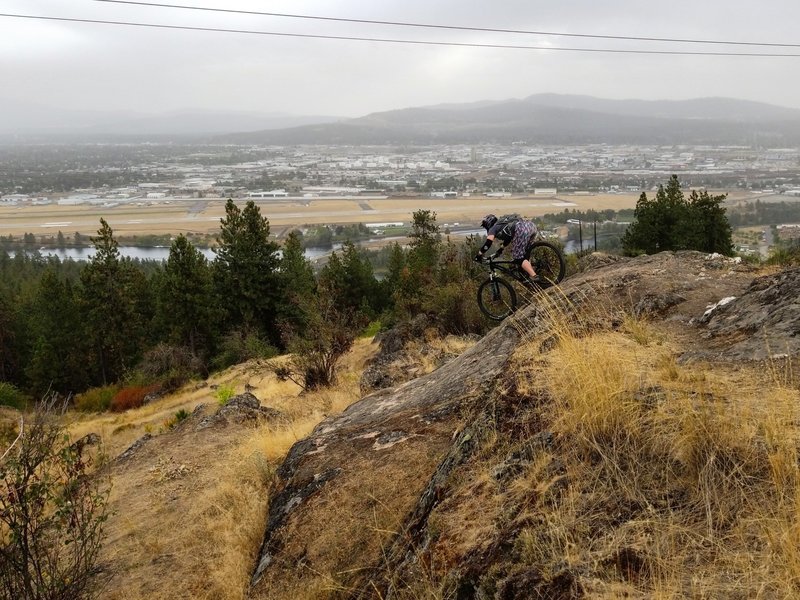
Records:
x=631, y=433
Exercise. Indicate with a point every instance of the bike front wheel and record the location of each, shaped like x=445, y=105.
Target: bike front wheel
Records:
x=548, y=262
x=496, y=299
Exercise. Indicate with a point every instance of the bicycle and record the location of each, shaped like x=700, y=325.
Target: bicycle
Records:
x=496, y=296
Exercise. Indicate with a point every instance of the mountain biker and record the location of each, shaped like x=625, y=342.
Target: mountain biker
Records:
x=517, y=232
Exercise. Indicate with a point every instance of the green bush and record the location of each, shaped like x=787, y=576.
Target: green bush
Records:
x=238, y=347
x=372, y=329
x=454, y=309
x=96, y=399
x=224, y=393
x=11, y=396
x=179, y=416
x=785, y=255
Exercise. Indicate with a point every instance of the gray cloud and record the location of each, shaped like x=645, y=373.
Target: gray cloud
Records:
x=81, y=66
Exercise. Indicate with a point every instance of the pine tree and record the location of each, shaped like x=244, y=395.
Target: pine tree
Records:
x=425, y=241
x=185, y=298
x=349, y=279
x=670, y=222
x=246, y=270
x=709, y=227
x=112, y=297
x=58, y=362
x=298, y=284
x=296, y=272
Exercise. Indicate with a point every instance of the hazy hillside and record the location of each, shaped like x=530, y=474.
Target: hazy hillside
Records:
x=42, y=119
x=550, y=118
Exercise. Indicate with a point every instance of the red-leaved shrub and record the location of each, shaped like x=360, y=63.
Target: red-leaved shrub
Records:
x=131, y=397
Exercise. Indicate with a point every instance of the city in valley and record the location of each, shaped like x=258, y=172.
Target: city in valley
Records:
x=151, y=189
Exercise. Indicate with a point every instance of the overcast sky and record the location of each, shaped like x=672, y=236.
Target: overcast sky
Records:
x=107, y=67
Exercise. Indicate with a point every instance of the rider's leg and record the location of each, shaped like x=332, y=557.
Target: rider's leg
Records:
x=528, y=268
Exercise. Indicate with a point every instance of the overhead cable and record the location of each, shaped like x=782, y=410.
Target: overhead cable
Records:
x=450, y=27
x=396, y=40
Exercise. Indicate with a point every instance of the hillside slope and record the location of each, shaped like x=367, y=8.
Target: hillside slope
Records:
x=604, y=442
x=554, y=119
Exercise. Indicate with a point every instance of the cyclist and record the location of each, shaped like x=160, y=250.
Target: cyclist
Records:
x=518, y=232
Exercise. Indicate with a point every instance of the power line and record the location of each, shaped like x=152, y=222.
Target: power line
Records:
x=451, y=27
x=397, y=40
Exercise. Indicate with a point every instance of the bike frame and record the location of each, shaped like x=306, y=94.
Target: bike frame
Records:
x=509, y=267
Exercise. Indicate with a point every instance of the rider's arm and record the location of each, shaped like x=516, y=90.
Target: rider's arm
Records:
x=486, y=245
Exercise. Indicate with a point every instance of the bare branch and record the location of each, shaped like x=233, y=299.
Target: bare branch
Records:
x=21, y=430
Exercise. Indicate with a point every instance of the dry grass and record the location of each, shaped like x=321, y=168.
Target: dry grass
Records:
x=190, y=508
x=683, y=479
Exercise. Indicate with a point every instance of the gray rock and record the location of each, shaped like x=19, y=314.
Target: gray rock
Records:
x=241, y=408
x=134, y=448
x=761, y=324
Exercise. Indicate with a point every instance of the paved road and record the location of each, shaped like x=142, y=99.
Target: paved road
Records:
x=765, y=245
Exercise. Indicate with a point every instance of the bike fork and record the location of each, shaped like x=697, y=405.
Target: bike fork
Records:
x=495, y=290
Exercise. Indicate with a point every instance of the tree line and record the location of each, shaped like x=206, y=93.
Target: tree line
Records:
x=66, y=326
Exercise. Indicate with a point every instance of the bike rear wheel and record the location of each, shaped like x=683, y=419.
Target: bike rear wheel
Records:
x=496, y=299
x=548, y=262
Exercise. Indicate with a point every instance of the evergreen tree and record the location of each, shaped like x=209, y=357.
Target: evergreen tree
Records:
x=185, y=302
x=298, y=284
x=670, y=222
x=296, y=272
x=350, y=281
x=112, y=296
x=9, y=347
x=58, y=362
x=419, y=273
x=425, y=241
x=397, y=264
x=246, y=270
x=708, y=226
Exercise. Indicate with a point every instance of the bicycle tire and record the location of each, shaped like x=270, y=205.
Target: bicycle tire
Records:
x=548, y=262
x=497, y=299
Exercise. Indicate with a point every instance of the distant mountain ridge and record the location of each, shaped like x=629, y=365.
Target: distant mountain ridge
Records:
x=554, y=118
x=30, y=118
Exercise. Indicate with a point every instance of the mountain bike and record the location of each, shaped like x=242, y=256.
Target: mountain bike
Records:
x=496, y=296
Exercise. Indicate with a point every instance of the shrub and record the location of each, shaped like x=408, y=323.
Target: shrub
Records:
x=314, y=359
x=372, y=329
x=96, y=399
x=52, y=512
x=131, y=397
x=171, y=365
x=785, y=255
x=11, y=396
x=224, y=393
x=238, y=347
x=179, y=416
x=454, y=309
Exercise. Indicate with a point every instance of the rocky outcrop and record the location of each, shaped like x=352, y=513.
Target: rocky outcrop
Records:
x=762, y=323
x=354, y=499
x=369, y=460
x=239, y=409
x=382, y=371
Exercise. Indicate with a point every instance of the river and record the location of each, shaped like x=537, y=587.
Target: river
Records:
x=159, y=253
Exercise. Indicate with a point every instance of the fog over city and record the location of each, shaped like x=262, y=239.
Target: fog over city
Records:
x=50, y=66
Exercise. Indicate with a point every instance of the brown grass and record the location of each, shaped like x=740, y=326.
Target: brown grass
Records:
x=189, y=510
x=691, y=469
